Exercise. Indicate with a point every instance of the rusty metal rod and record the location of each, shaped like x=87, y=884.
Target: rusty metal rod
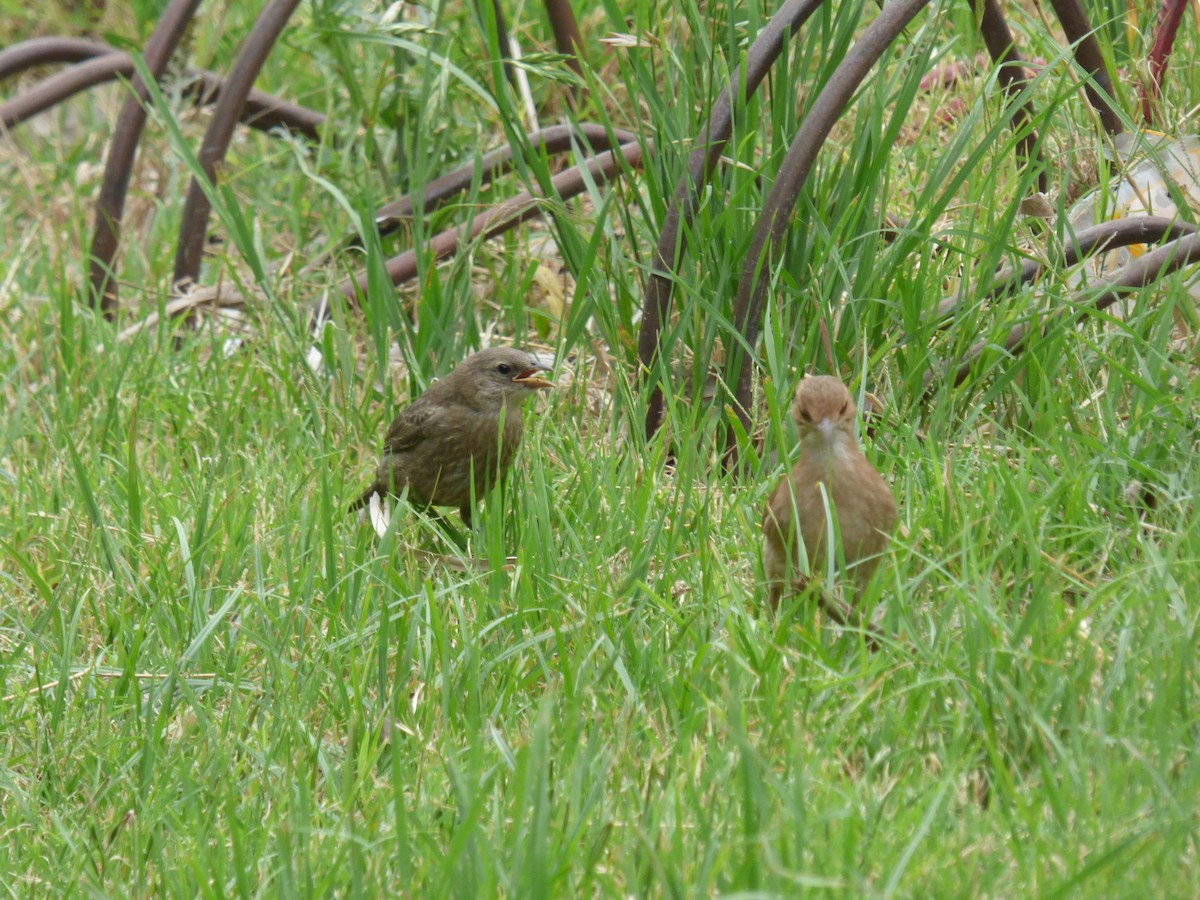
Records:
x=1082, y=37
x=503, y=42
x=567, y=38
x=781, y=199
x=555, y=139
x=1138, y=274
x=194, y=225
x=48, y=51
x=62, y=85
x=1170, y=15
x=262, y=111
x=1013, y=79
x=709, y=144
x=503, y=216
x=110, y=205
x=1097, y=239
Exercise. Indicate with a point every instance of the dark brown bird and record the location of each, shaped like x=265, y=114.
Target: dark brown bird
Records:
x=451, y=444
x=830, y=465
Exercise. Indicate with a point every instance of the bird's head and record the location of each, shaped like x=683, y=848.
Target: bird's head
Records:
x=824, y=412
x=502, y=376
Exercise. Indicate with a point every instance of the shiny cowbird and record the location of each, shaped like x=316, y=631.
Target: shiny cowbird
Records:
x=831, y=471
x=451, y=444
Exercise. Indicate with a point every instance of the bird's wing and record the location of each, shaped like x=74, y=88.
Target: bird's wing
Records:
x=411, y=427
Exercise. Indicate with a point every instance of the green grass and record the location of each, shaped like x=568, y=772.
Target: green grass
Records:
x=214, y=682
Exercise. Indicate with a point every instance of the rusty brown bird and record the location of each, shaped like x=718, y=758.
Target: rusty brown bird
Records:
x=451, y=444
x=831, y=470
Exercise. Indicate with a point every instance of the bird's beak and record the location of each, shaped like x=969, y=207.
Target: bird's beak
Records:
x=531, y=378
x=825, y=426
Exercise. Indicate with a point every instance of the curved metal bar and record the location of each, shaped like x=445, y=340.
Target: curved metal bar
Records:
x=1099, y=89
x=47, y=51
x=555, y=139
x=58, y=87
x=262, y=111
x=829, y=105
x=1170, y=15
x=194, y=224
x=502, y=39
x=1013, y=79
x=110, y=205
x=567, y=39
x=1146, y=270
x=709, y=144
x=1097, y=239
x=1138, y=274
x=503, y=216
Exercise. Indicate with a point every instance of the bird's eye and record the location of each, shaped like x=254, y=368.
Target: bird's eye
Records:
x=504, y=368
x=803, y=415
x=842, y=411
